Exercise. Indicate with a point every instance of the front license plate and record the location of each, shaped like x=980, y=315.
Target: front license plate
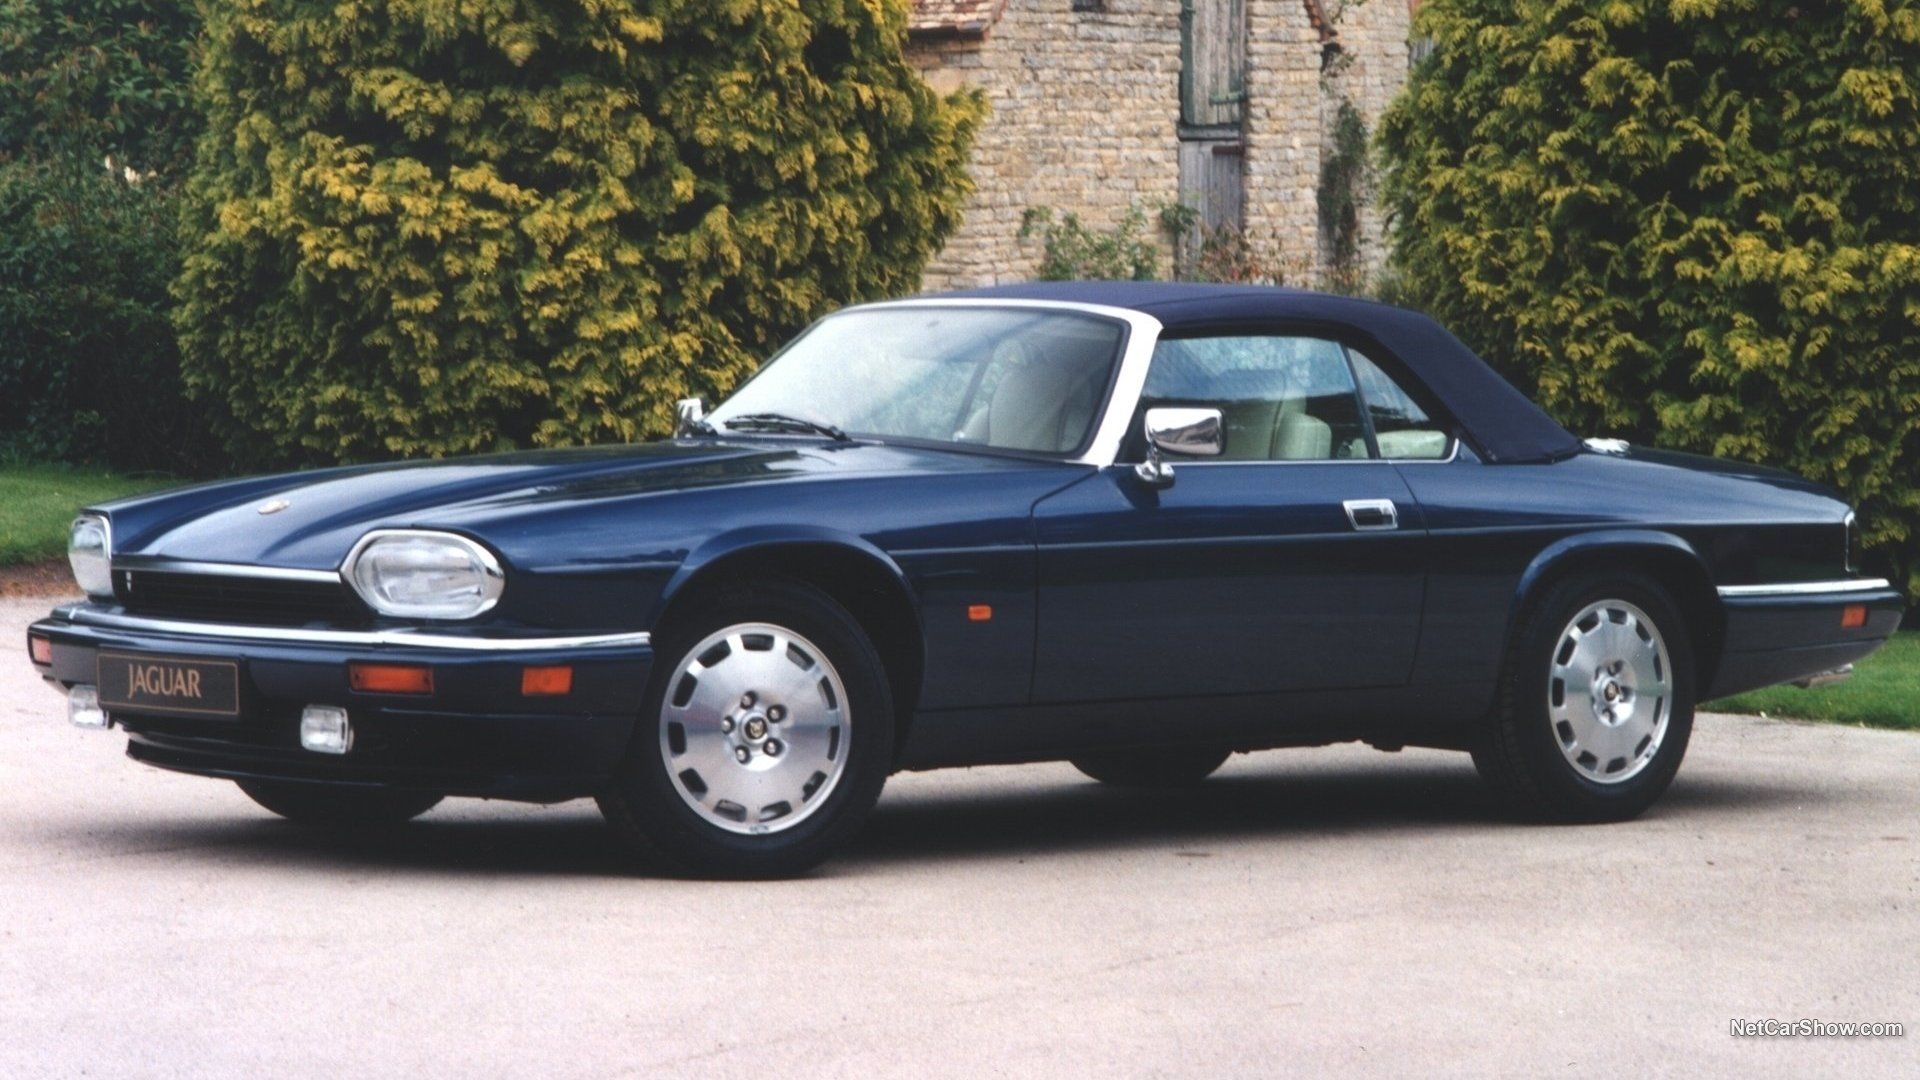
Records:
x=170, y=685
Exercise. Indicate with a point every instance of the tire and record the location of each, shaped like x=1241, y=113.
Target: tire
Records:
x=339, y=807
x=787, y=732
x=1171, y=767
x=1585, y=728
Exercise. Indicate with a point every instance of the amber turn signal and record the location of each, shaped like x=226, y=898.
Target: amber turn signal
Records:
x=41, y=649
x=979, y=612
x=1853, y=616
x=552, y=681
x=390, y=678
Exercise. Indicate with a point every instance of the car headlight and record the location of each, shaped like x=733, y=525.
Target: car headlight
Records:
x=90, y=553
x=411, y=574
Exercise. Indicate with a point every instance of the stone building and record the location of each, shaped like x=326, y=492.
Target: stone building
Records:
x=1227, y=106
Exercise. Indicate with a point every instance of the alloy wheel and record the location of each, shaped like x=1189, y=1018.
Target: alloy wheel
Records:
x=754, y=731
x=1610, y=691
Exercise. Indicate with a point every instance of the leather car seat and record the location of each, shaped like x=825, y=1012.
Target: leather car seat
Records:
x=1298, y=436
x=1042, y=406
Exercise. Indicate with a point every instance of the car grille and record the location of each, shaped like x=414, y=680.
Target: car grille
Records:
x=238, y=599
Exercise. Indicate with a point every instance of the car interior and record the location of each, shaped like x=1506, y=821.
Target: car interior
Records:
x=1291, y=399
x=1039, y=393
x=1280, y=398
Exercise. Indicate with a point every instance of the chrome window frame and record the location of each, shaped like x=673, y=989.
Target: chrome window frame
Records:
x=1453, y=454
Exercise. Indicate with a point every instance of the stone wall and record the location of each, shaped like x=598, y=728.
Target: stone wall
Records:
x=1085, y=107
x=1283, y=137
x=1085, y=115
x=1370, y=72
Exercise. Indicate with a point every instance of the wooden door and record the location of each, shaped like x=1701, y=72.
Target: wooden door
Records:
x=1212, y=180
x=1213, y=80
x=1213, y=62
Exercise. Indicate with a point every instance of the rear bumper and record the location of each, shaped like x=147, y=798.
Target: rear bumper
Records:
x=1785, y=633
x=475, y=734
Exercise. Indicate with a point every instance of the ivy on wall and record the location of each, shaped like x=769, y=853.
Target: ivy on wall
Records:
x=1341, y=193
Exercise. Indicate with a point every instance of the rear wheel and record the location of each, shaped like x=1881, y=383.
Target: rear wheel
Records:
x=339, y=807
x=1596, y=704
x=1163, y=768
x=765, y=736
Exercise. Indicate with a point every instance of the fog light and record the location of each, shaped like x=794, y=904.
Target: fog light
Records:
x=324, y=729
x=83, y=708
x=40, y=649
x=1853, y=616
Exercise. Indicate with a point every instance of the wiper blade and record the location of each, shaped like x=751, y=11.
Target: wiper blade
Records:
x=767, y=421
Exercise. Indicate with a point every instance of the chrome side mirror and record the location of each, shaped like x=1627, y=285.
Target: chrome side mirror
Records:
x=1178, y=430
x=689, y=416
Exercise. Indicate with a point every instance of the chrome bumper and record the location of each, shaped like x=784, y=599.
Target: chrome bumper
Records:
x=86, y=615
x=1826, y=678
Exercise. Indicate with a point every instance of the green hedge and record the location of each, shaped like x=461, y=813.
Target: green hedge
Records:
x=437, y=228
x=95, y=134
x=1690, y=222
x=88, y=368
x=85, y=80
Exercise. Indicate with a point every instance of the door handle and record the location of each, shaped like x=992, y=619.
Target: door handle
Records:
x=1372, y=515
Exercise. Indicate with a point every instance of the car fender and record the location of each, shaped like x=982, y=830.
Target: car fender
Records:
x=1582, y=545
x=769, y=539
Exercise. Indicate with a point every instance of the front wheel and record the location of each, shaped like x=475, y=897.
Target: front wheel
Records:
x=764, y=739
x=1596, y=703
x=338, y=807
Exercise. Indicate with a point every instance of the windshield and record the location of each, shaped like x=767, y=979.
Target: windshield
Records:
x=1012, y=379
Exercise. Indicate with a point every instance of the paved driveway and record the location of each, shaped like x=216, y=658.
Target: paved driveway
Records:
x=1326, y=909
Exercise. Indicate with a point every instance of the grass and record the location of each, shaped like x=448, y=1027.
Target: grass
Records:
x=1884, y=692
x=37, y=504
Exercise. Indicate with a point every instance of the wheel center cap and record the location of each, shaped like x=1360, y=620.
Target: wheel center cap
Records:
x=1611, y=702
x=756, y=727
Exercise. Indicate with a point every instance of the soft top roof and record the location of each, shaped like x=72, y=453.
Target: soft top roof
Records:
x=1502, y=423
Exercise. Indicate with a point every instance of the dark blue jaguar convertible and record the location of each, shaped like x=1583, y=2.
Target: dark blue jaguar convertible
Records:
x=1138, y=527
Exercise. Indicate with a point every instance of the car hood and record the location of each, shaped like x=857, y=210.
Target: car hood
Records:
x=1726, y=467
x=310, y=520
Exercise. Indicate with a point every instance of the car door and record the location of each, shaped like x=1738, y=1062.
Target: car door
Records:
x=1291, y=562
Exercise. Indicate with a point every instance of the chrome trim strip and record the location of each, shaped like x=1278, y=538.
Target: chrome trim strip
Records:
x=1849, y=524
x=242, y=570
x=1807, y=588
x=1826, y=678
x=407, y=639
x=1452, y=456
x=1143, y=334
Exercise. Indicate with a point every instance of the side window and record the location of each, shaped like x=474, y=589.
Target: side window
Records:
x=1282, y=398
x=1400, y=426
